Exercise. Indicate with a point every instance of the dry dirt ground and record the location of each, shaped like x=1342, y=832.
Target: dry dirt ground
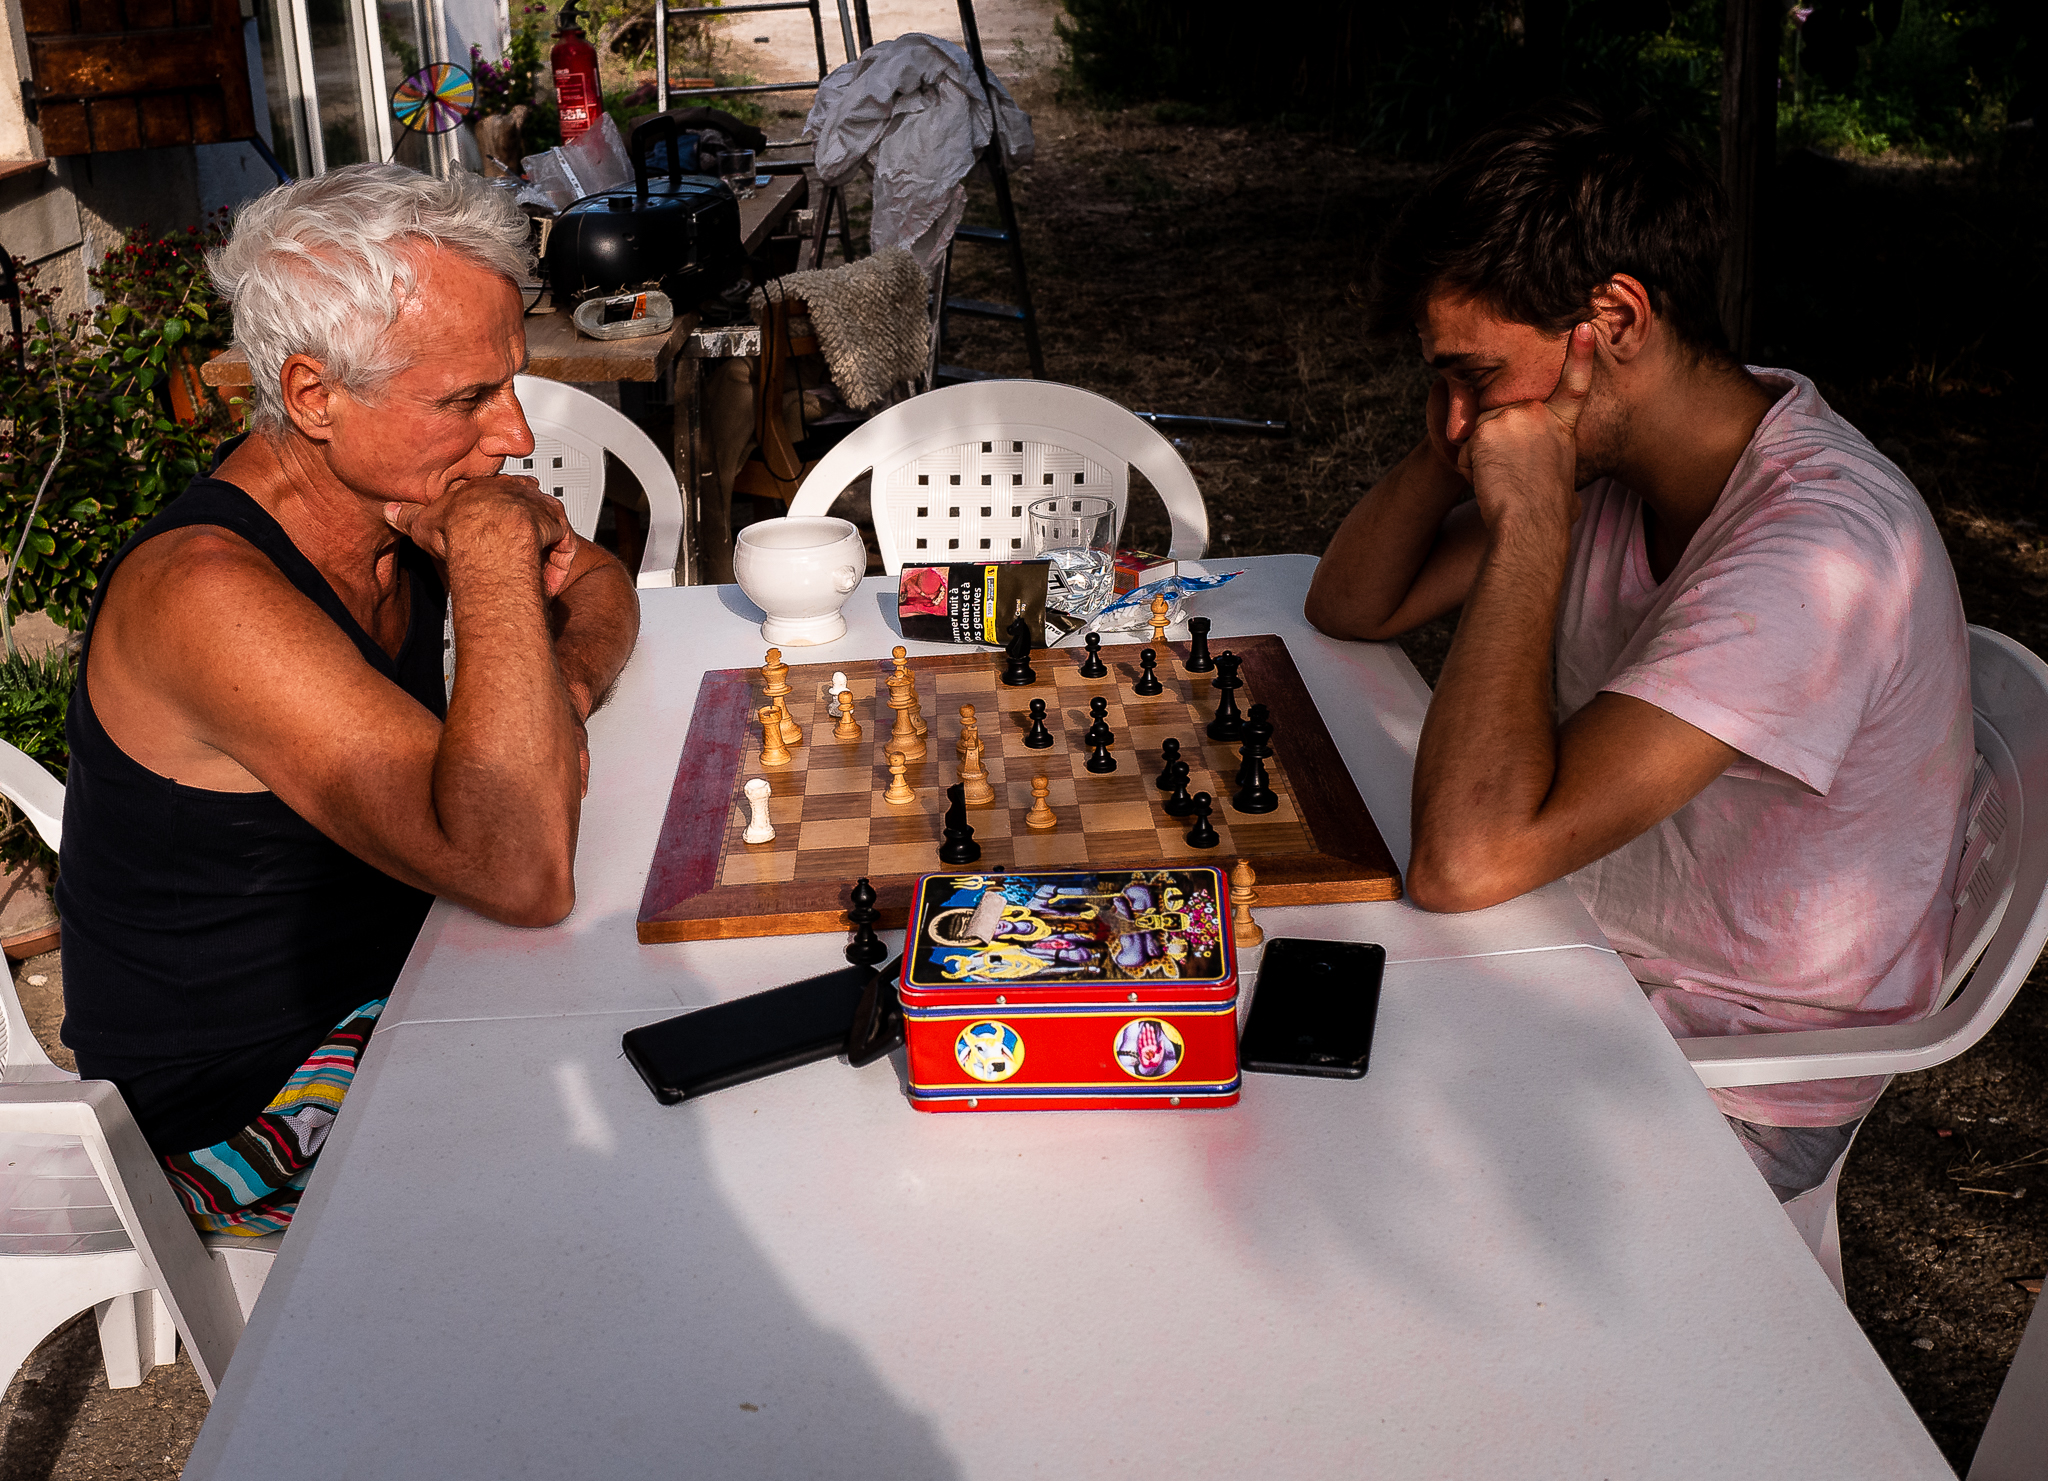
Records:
x=1183, y=268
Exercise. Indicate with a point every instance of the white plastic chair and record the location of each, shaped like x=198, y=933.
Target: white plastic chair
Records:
x=2001, y=923
x=954, y=469
x=87, y=1217
x=572, y=431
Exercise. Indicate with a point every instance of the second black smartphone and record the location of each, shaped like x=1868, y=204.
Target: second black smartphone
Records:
x=1313, y=1008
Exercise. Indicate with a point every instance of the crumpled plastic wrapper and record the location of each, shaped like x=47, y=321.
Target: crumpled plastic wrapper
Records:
x=594, y=160
x=1134, y=608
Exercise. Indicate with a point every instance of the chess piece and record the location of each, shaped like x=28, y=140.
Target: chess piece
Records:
x=775, y=689
x=759, y=829
x=866, y=948
x=1169, y=752
x=974, y=778
x=1256, y=794
x=959, y=846
x=899, y=790
x=1258, y=733
x=906, y=739
x=970, y=731
x=832, y=709
x=1041, y=814
x=773, y=752
x=1203, y=835
x=1099, y=760
x=1038, y=737
x=1148, y=682
x=1092, y=666
x=1179, y=804
x=1229, y=722
x=1199, y=661
x=1162, y=617
x=1017, y=670
x=1243, y=897
x=908, y=680
x=848, y=728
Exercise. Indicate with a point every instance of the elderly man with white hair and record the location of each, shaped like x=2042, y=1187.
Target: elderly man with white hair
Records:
x=269, y=783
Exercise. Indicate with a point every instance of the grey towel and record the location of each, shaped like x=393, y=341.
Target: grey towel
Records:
x=873, y=321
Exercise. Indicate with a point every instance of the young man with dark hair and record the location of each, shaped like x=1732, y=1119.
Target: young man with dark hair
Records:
x=1711, y=664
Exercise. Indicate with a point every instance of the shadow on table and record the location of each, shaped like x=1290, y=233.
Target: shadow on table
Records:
x=574, y=1297
x=1546, y=1183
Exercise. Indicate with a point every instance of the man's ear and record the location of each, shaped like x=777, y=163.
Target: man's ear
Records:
x=1622, y=317
x=308, y=399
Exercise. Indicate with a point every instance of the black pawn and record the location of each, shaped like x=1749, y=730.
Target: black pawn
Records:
x=1229, y=722
x=959, y=847
x=866, y=948
x=1202, y=835
x=1169, y=754
x=1098, y=733
x=1017, y=670
x=1179, y=805
x=1091, y=666
x=1038, y=737
x=1148, y=682
x=1199, y=661
x=1254, y=794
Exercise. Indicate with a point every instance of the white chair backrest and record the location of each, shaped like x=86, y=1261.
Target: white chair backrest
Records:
x=38, y=795
x=954, y=469
x=572, y=431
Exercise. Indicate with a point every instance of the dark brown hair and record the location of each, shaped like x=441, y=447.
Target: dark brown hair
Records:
x=1535, y=214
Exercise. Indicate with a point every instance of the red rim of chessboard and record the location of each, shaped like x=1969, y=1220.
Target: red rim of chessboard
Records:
x=1328, y=850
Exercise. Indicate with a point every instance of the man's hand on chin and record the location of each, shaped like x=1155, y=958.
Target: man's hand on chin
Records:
x=498, y=503
x=1522, y=459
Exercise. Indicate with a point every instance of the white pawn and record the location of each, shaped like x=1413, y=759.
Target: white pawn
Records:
x=838, y=688
x=759, y=830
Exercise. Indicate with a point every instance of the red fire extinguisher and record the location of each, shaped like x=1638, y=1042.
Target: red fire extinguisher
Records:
x=575, y=62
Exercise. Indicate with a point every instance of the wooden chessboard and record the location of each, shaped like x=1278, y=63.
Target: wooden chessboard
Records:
x=832, y=824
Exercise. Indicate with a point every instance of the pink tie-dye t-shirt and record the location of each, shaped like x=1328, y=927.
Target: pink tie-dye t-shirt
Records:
x=1813, y=624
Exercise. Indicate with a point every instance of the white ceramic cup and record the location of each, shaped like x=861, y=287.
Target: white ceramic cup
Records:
x=800, y=572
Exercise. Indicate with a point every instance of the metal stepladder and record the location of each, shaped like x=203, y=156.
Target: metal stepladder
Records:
x=1006, y=235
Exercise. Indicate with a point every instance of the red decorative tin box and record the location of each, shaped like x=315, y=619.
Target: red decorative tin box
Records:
x=1113, y=988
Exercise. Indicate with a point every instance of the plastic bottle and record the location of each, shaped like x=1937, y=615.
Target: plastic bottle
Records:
x=575, y=62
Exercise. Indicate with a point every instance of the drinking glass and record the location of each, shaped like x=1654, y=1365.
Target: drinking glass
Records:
x=736, y=168
x=1077, y=533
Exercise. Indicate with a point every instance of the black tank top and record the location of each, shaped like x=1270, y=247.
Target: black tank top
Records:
x=211, y=939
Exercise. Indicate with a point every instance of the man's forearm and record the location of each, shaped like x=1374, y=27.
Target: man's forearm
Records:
x=595, y=620
x=1487, y=757
x=1380, y=575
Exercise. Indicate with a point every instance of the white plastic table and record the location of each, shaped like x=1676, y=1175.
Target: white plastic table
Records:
x=1525, y=1245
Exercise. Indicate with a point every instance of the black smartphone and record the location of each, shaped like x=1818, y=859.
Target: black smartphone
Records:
x=732, y=1043
x=1313, y=1008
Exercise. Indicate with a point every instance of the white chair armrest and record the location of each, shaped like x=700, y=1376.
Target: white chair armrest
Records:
x=1837, y=1053
x=198, y=1291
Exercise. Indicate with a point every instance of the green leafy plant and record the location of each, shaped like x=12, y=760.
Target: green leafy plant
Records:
x=103, y=385
x=34, y=693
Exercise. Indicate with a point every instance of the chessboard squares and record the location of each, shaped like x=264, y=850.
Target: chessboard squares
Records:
x=963, y=681
x=824, y=833
x=905, y=858
x=854, y=779
x=1106, y=817
x=1128, y=783
x=1114, y=849
x=767, y=864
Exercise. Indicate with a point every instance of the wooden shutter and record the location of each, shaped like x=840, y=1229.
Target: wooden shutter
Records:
x=137, y=74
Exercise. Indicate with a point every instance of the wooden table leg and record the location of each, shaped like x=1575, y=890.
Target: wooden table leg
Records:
x=707, y=518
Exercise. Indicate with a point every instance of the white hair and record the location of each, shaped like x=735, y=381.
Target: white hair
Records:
x=322, y=267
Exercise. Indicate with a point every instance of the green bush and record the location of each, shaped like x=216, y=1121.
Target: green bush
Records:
x=34, y=693
x=102, y=386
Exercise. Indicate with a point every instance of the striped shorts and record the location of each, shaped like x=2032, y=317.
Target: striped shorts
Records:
x=250, y=1183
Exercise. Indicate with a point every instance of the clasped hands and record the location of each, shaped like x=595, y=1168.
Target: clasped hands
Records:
x=501, y=506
